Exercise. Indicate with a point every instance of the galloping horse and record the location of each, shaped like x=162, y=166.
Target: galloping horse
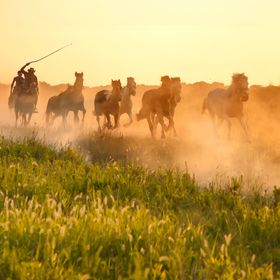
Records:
x=156, y=102
x=175, y=98
x=25, y=103
x=228, y=103
x=107, y=103
x=70, y=100
x=126, y=102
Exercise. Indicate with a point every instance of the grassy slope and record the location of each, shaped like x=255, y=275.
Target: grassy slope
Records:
x=64, y=218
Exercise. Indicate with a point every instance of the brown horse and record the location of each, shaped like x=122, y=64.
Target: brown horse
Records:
x=175, y=98
x=107, y=103
x=24, y=105
x=228, y=103
x=70, y=100
x=156, y=102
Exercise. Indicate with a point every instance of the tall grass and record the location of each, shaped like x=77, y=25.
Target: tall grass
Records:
x=62, y=217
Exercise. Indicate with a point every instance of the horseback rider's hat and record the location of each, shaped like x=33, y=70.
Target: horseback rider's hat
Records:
x=31, y=70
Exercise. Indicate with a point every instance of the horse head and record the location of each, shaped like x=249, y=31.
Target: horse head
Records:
x=131, y=84
x=241, y=86
x=166, y=81
x=117, y=87
x=79, y=82
x=176, y=88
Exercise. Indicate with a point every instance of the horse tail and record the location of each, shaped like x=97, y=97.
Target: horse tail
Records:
x=48, y=111
x=11, y=102
x=94, y=111
x=204, y=106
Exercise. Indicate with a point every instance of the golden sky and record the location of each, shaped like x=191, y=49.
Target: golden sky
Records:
x=194, y=39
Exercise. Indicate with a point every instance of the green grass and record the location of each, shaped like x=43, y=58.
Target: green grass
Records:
x=62, y=217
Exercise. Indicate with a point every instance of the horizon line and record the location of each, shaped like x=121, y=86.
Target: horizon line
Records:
x=150, y=85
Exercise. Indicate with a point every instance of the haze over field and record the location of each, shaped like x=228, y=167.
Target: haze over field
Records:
x=196, y=146
x=195, y=40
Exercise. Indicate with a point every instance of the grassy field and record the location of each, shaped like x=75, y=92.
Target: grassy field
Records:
x=65, y=217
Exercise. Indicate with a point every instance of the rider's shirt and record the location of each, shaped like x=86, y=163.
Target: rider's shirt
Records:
x=19, y=82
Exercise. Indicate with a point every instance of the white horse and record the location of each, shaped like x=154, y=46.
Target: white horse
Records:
x=126, y=102
x=228, y=103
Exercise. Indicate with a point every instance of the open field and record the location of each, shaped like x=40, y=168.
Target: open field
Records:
x=80, y=200
x=63, y=217
x=75, y=204
x=196, y=146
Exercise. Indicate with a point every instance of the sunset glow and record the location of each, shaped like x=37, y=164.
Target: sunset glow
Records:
x=196, y=40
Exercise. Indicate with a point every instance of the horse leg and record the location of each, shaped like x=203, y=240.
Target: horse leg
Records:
x=245, y=128
x=98, y=122
x=52, y=118
x=155, y=123
x=109, y=124
x=171, y=126
x=161, y=121
x=119, y=117
x=150, y=123
x=76, y=118
x=82, y=121
x=29, y=118
x=21, y=119
x=116, y=119
x=105, y=124
x=84, y=114
x=24, y=122
x=130, y=119
x=16, y=112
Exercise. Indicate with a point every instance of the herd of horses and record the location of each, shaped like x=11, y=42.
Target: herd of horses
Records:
x=157, y=104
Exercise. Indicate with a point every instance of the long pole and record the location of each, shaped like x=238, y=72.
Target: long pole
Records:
x=49, y=54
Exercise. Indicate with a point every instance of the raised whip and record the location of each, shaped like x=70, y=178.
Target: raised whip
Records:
x=48, y=54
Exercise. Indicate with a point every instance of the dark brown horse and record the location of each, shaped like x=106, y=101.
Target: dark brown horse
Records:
x=174, y=99
x=107, y=103
x=156, y=102
x=71, y=99
x=24, y=105
x=224, y=104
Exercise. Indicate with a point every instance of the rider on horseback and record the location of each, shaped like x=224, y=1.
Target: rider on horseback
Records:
x=17, y=87
x=31, y=83
x=17, y=84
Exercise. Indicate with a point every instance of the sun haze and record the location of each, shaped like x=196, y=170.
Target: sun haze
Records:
x=196, y=40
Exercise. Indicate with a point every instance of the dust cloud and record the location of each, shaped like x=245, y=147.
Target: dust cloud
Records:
x=197, y=148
